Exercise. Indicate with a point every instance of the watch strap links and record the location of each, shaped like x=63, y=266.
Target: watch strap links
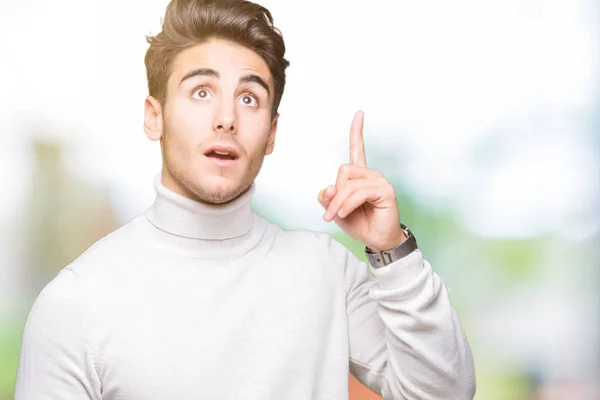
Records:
x=383, y=258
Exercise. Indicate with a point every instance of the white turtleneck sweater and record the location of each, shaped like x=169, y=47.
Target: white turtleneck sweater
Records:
x=191, y=301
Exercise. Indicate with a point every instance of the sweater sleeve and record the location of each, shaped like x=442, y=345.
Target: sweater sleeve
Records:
x=406, y=341
x=57, y=359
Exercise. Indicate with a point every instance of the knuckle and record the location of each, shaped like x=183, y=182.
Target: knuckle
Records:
x=390, y=189
x=344, y=169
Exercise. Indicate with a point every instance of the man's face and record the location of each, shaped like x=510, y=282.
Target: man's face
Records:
x=216, y=126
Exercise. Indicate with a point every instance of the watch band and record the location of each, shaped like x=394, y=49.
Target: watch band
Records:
x=383, y=258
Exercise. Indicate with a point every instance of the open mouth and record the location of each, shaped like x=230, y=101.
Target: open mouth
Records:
x=221, y=155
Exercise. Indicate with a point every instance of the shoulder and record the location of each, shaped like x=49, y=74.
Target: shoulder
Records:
x=59, y=293
x=301, y=239
x=107, y=251
x=65, y=298
x=297, y=236
x=57, y=314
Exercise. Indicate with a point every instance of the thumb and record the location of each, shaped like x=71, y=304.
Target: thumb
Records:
x=326, y=195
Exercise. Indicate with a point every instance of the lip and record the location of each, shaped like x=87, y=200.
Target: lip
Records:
x=223, y=149
x=222, y=163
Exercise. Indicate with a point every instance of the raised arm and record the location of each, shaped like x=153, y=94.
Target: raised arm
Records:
x=405, y=339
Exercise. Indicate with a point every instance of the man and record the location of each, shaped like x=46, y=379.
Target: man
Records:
x=200, y=298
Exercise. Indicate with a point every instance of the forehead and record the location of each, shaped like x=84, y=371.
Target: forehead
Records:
x=227, y=58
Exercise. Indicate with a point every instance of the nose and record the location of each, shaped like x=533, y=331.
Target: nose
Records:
x=225, y=121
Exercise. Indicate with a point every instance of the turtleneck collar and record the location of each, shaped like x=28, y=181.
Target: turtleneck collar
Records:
x=205, y=229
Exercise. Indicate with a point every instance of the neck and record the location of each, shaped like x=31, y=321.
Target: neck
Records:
x=207, y=229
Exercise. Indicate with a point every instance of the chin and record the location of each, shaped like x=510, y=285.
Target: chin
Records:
x=219, y=192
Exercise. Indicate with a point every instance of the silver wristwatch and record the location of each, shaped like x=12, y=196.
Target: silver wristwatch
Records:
x=383, y=258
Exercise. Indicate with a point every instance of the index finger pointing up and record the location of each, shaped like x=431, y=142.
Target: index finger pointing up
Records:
x=357, y=144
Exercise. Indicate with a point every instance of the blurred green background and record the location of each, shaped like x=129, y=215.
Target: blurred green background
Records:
x=484, y=115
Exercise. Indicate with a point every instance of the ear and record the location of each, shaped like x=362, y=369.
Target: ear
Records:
x=153, y=118
x=271, y=139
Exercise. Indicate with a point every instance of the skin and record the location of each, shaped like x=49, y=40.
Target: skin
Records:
x=362, y=202
x=205, y=110
x=224, y=103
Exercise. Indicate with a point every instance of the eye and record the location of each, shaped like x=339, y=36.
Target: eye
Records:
x=249, y=100
x=201, y=93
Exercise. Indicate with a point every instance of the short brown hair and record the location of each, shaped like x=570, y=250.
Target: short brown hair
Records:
x=191, y=22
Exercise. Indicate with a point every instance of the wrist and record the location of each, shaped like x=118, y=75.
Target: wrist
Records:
x=406, y=245
x=389, y=245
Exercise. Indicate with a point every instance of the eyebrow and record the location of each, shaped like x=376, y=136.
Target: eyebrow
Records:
x=250, y=78
x=200, y=72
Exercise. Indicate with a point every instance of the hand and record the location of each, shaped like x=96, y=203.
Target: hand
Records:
x=362, y=202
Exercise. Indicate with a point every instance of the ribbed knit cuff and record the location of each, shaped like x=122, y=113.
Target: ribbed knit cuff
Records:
x=400, y=272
